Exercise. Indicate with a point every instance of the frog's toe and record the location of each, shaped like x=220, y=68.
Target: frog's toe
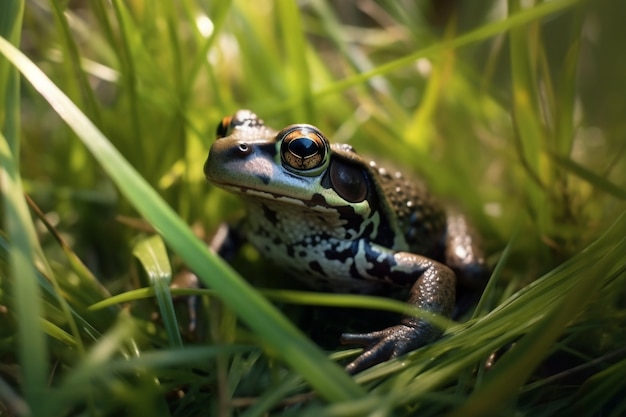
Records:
x=366, y=340
x=380, y=346
x=376, y=350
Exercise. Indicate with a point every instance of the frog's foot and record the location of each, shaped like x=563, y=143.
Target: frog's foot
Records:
x=387, y=344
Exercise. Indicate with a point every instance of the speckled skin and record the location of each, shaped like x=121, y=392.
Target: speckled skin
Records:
x=345, y=224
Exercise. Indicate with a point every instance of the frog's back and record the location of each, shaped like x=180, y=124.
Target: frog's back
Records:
x=419, y=217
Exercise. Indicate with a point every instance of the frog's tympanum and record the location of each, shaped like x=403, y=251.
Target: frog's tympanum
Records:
x=343, y=223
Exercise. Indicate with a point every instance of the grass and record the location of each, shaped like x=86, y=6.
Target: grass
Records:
x=512, y=112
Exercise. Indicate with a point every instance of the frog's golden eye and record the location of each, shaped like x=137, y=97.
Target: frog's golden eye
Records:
x=303, y=147
x=241, y=119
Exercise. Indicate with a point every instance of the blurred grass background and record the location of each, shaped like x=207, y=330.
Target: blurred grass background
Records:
x=511, y=110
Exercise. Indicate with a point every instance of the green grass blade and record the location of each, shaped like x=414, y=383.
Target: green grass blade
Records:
x=152, y=254
x=180, y=67
x=53, y=292
x=77, y=79
x=529, y=130
x=503, y=381
x=33, y=350
x=32, y=347
x=11, y=12
x=597, y=181
x=206, y=40
x=599, y=390
x=484, y=32
x=101, y=366
x=297, y=72
x=567, y=89
x=275, y=330
x=127, y=62
x=77, y=384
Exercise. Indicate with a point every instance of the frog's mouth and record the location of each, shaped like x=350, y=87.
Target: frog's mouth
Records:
x=244, y=192
x=315, y=201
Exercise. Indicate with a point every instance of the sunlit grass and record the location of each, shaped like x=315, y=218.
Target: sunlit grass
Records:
x=498, y=107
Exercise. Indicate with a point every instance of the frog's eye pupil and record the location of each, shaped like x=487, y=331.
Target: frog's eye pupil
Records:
x=303, y=147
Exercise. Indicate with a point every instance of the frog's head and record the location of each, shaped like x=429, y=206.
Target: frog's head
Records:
x=296, y=165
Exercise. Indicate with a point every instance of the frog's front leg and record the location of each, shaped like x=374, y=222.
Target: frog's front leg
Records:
x=433, y=290
x=225, y=242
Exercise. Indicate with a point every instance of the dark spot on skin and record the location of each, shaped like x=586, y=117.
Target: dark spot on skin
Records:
x=353, y=220
x=385, y=235
x=260, y=231
x=302, y=254
x=316, y=200
x=270, y=214
x=344, y=255
x=380, y=268
x=347, y=212
x=368, y=229
x=315, y=266
x=265, y=179
x=354, y=273
x=290, y=251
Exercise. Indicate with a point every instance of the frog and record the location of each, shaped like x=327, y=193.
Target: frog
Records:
x=344, y=223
